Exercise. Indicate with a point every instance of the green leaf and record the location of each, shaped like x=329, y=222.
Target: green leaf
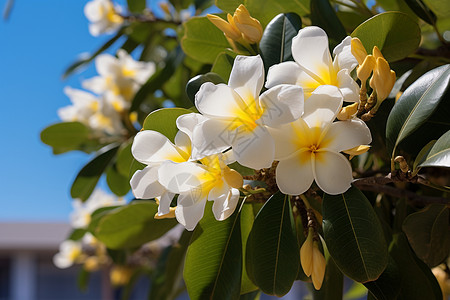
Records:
x=247, y=219
x=395, y=33
x=171, y=63
x=124, y=158
x=77, y=234
x=388, y=285
x=333, y=282
x=164, y=121
x=275, y=45
x=66, y=135
x=417, y=281
x=83, y=61
x=422, y=156
x=259, y=8
x=416, y=105
x=439, y=7
x=356, y=291
x=194, y=84
x=213, y=264
x=117, y=183
x=324, y=16
x=202, y=4
x=136, y=6
x=83, y=279
x=202, y=40
x=422, y=11
x=131, y=225
x=439, y=155
x=354, y=235
x=428, y=233
x=273, y=256
x=223, y=64
x=89, y=175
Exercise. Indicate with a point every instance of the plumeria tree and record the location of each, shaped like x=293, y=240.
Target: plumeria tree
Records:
x=264, y=142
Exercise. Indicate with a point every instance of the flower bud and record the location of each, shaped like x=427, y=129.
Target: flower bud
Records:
x=91, y=264
x=358, y=50
x=347, y=112
x=364, y=70
x=357, y=150
x=383, y=79
x=376, y=52
x=319, y=264
x=228, y=29
x=250, y=27
x=120, y=275
x=306, y=254
x=233, y=178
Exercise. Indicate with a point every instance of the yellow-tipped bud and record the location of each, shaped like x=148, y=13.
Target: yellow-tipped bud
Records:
x=364, y=70
x=170, y=215
x=250, y=27
x=319, y=264
x=357, y=150
x=228, y=29
x=306, y=254
x=120, y=275
x=383, y=79
x=358, y=50
x=233, y=178
x=376, y=52
x=347, y=112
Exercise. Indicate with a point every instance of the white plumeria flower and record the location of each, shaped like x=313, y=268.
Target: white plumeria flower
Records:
x=308, y=149
x=69, y=252
x=81, y=215
x=119, y=77
x=84, y=105
x=238, y=116
x=103, y=15
x=313, y=65
x=195, y=183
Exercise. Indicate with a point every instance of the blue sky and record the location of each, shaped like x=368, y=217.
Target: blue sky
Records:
x=40, y=39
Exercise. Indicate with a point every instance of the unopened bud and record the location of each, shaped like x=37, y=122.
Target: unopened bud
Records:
x=306, y=254
x=364, y=70
x=376, y=52
x=233, y=178
x=358, y=50
x=347, y=112
x=250, y=27
x=357, y=150
x=120, y=275
x=228, y=29
x=402, y=164
x=170, y=215
x=319, y=264
x=384, y=79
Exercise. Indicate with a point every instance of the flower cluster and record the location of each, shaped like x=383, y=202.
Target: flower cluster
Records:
x=104, y=16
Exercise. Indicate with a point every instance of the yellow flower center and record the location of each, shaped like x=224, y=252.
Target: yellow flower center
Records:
x=247, y=114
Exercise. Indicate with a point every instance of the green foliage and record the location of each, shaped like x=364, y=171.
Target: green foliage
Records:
x=194, y=84
x=388, y=285
x=439, y=153
x=66, y=136
x=223, y=64
x=324, y=16
x=356, y=243
x=117, y=183
x=136, y=6
x=163, y=121
x=422, y=11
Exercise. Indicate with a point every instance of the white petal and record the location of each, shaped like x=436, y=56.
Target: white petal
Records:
x=186, y=177
x=295, y=175
x=95, y=84
x=92, y=11
x=164, y=203
x=61, y=261
x=106, y=64
x=254, y=149
x=310, y=50
x=224, y=206
x=183, y=142
x=332, y=172
x=343, y=57
x=323, y=105
x=348, y=87
x=345, y=135
x=218, y=101
x=220, y=189
x=283, y=73
x=187, y=122
x=281, y=105
x=212, y=136
x=247, y=75
x=284, y=137
x=189, y=212
x=145, y=185
x=153, y=147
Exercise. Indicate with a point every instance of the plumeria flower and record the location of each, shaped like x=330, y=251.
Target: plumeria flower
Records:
x=119, y=77
x=309, y=149
x=69, y=252
x=195, y=183
x=81, y=215
x=314, y=66
x=103, y=15
x=238, y=117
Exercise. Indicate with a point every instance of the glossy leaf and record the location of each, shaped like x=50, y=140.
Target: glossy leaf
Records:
x=223, y=64
x=354, y=235
x=324, y=16
x=117, y=183
x=388, y=285
x=439, y=155
x=275, y=45
x=67, y=135
x=132, y=225
x=77, y=234
x=87, y=178
x=428, y=233
x=202, y=40
x=247, y=219
x=194, y=84
x=136, y=6
x=395, y=33
x=439, y=7
x=422, y=11
x=417, y=281
x=422, y=156
x=272, y=257
x=416, y=105
x=164, y=121
x=213, y=264
x=124, y=159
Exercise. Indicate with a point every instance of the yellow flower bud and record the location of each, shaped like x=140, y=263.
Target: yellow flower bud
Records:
x=364, y=70
x=233, y=178
x=91, y=264
x=358, y=50
x=357, y=150
x=120, y=275
x=347, y=112
x=306, y=254
x=319, y=264
x=383, y=79
x=250, y=27
x=228, y=29
x=171, y=214
x=376, y=52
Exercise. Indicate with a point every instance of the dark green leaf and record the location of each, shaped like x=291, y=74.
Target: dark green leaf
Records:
x=83, y=279
x=124, y=159
x=136, y=6
x=164, y=121
x=422, y=11
x=247, y=219
x=422, y=156
x=202, y=4
x=67, y=135
x=117, y=183
x=251, y=296
x=416, y=105
x=135, y=166
x=213, y=264
x=333, y=282
x=273, y=256
x=395, y=33
x=439, y=155
x=77, y=234
x=428, y=233
x=275, y=45
x=244, y=171
x=324, y=16
x=223, y=64
x=89, y=175
x=132, y=225
x=388, y=285
x=194, y=84
x=439, y=7
x=354, y=235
